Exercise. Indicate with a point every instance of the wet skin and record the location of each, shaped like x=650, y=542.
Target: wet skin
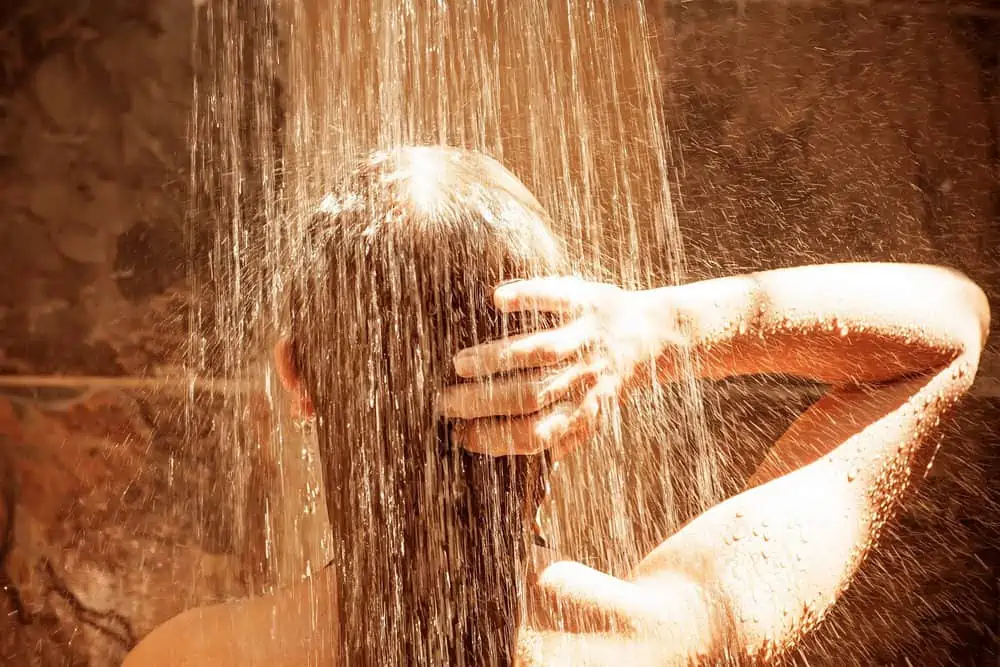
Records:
x=898, y=346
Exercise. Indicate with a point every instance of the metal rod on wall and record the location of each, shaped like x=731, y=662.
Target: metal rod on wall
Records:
x=215, y=385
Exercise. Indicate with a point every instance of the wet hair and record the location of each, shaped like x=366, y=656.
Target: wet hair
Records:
x=393, y=274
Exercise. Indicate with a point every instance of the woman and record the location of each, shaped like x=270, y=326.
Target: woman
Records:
x=398, y=272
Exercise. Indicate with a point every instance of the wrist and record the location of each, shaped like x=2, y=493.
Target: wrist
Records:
x=671, y=325
x=645, y=332
x=722, y=321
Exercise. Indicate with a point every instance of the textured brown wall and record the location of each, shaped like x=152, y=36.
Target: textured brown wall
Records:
x=802, y=132
x=826, y=132
x=94, y=103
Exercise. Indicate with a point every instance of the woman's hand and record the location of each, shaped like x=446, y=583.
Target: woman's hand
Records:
x=551, y=389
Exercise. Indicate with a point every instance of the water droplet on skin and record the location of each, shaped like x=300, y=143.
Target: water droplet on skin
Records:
x=738, y=535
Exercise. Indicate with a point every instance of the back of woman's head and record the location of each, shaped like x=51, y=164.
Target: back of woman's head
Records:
x=393, y=274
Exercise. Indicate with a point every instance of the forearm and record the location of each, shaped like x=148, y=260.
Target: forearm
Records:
x=779, y=555
x=834, y=323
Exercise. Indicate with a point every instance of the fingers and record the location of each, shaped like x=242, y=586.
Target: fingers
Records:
x=561, y=428
x=530, y=350
x=515, y=436
x=564, y=294
x=514, y=396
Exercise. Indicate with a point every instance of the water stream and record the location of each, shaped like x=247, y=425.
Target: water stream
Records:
x=565, y=95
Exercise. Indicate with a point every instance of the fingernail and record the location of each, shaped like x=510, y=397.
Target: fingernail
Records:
x=550, y=428
x=460, y=437
x=465, y=364
x=502, y=291
x=440, y=404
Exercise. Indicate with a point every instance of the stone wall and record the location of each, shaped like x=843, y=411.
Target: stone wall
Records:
x=801, y=132
x=102, y=537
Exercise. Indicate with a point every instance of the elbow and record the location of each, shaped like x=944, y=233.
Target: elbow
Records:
x=974, y=340
x=974, y=311
x=979, y=307
x=983, y=312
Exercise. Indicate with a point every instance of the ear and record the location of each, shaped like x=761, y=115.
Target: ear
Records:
x=288, y=373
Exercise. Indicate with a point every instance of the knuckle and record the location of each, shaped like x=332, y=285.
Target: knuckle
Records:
x=589, y=376
x=598, y=368
x=546, y=354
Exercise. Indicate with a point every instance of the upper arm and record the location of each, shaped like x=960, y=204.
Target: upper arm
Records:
x=780, y=553
x=841, y=414
x=828, y=485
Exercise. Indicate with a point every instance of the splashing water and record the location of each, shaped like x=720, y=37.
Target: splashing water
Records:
x=565, y=95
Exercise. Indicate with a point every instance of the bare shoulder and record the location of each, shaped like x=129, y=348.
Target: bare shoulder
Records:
x=191, y=638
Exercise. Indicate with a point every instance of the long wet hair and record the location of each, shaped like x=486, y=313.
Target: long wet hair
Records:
x=395, y=274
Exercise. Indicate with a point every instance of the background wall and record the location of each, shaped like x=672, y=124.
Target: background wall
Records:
x=803, y=132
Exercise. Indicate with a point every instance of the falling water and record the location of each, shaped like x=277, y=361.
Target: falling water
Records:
x=565, y=95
